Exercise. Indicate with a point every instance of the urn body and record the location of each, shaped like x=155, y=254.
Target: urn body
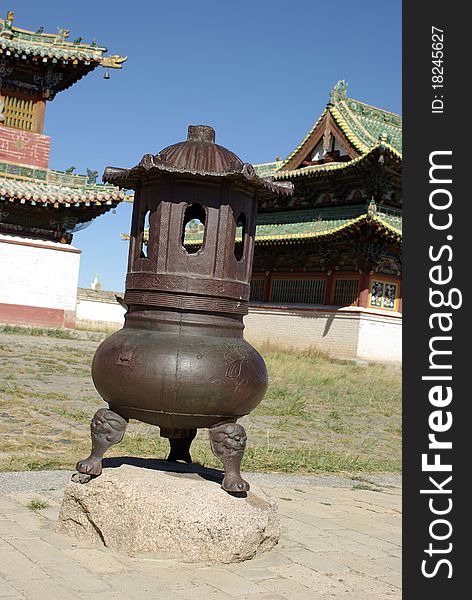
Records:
x=180, y=371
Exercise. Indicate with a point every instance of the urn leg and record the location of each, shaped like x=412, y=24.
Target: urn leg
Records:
x=180, y=441
x=107, y=428
x=228, y=442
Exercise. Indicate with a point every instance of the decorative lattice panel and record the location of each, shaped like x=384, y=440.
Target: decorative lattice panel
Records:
x=257, y=290
x=298, y=291
x=18, y=113
x=346, y=292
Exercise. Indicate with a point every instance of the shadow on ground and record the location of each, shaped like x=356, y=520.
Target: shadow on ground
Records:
x=163, y=465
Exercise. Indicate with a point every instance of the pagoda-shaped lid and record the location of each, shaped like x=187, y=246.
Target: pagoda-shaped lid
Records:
x=197, y=156
x=200, y=155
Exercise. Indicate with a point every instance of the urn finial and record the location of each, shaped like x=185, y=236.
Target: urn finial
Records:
x=201, y=133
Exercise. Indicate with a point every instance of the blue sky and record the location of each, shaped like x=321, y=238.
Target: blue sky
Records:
x=258, y=71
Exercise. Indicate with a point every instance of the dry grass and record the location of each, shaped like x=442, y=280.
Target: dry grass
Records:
x=96, y=327
x=320, y=415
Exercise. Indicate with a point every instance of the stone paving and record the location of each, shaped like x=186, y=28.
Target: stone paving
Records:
x=337, y=542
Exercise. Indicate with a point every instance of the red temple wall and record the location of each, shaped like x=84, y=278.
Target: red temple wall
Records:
x=18, y=314
x=24, y=147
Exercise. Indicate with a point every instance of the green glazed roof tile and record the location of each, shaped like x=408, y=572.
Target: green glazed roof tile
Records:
x=315, y=224
x=267, y=169
x=57, y=189
x=370, y=124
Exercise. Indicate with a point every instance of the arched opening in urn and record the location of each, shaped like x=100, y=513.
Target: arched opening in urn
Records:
x=193, y=228
x=145, y=235
x=240, y=237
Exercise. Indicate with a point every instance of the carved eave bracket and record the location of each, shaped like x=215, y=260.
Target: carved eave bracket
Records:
x=370, y=254
x=328, y=255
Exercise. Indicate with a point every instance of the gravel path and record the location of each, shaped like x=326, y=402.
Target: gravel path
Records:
x=37, y=481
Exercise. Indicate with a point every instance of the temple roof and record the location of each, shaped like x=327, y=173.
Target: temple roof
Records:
x=54, y=188
x=328, y=229
x=365, y=160
x=323, y=224
x=331, y=214
x=366, y=124
x=53, y=49
x=361, y=128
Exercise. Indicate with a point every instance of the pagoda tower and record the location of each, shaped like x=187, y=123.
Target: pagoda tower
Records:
x=40, y=208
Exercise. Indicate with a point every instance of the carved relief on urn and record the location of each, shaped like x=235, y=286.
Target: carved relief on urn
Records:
x=181, y=362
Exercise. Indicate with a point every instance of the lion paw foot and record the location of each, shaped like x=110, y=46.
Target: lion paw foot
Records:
x=90, y=466
x=235, y=483
x=81, y=478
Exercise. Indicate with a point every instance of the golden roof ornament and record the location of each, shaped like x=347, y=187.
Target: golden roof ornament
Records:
x=62, y=35
x=113, y=62
x=7, y=25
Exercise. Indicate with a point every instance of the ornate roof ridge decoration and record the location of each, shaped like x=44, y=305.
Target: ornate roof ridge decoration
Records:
x=377, y=112
x=53, y=46
x=267, y=169
x=339, y=92
x=363, y=125
x=368, y=124
x=284, y=233
x=381, y=149
x=197, y=156
x=326, y=213
x=27, y=173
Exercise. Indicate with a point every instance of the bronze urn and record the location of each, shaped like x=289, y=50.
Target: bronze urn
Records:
x=181, y=362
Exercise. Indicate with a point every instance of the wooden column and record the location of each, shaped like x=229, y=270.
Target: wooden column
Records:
x=329, y=290
x=267, y=288
x=38, y=116
x=364, y=289
x=400, y=302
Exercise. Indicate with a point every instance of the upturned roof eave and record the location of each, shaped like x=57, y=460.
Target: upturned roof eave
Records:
x=50, y=46
x=56, y=195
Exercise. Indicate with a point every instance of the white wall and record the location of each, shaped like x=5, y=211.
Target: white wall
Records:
x=100, y=312
x=38, y=273
x=334, y=332
x=380, y=338
x=348, y=332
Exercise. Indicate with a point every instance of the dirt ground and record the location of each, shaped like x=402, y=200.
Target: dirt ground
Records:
x=319, y=415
